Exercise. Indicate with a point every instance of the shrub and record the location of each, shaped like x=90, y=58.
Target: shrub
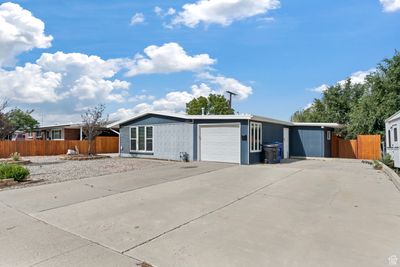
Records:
x=12, y=171
x=387, y=160
x=15, y=156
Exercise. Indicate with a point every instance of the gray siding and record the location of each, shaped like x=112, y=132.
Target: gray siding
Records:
x=307, y=142
x=270, y=133
x=171, y=136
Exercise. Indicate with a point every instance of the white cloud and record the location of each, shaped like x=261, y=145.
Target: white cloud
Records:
x=356, y=77
x=175, y=102
x=228, y=84
x=138, y=18
x=390, y=5
x=77, y=64
x=161, y=13
x=20, y=31
x=170, y=12
x=86, y=88
x=169, y=58
x=30, y=84
x=222, y=12
x=158, y=10
x=75, y=78
x=319, y=89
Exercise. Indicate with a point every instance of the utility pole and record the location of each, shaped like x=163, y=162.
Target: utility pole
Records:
x=230, y=97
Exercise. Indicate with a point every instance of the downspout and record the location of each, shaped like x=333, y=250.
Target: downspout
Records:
x=119, y=140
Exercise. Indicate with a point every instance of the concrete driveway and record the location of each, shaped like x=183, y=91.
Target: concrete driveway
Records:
x=304, y=213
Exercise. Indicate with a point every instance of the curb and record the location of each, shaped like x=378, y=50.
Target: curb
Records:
x=392, y=175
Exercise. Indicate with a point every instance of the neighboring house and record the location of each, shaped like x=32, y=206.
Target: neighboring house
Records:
x=392, y=125
x=63, y=132
x=219, y=138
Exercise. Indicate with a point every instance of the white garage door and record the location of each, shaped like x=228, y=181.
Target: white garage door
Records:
x=220, y=143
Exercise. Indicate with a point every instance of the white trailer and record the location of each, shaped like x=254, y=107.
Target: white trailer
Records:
x=392, y=125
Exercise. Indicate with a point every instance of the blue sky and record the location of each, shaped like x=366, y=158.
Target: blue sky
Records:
x=274, y=52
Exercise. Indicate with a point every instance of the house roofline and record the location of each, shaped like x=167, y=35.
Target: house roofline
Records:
x=394, y=116
x=319, y=124
x=223, y=117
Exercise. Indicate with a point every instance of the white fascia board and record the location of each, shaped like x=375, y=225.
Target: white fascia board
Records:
x=270, y=120
x=393, y=117
x=318, y=124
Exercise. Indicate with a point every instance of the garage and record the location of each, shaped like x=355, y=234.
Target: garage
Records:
x=219, y=143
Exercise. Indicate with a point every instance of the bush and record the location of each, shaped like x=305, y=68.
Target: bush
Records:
x=387, y=160
x=15, y=156
x=12, y=171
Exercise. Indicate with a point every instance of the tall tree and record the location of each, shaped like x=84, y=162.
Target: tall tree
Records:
x=93, y=124
x=381, y=99
x=213, y=105
x=22, y=120
x=362, y=108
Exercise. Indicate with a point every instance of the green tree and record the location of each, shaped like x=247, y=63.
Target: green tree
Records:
x=194, y=107
x=381, y=99
x=22, y=120
x=362, y=108
x=213, y=105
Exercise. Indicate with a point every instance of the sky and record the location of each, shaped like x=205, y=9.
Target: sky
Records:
x=62, y=57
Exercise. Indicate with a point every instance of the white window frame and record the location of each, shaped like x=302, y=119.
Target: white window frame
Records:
x=56, y=130
x=328, y=135
x=145, y=139
x=255, y=134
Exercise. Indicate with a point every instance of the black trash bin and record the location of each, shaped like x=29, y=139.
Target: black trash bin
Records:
x=271, y=153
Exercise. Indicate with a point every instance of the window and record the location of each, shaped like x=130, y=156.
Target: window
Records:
x=56, y=135
x=395, y=134
x=389, y=139
x=141, y=138
x=255, y=137
x=328, y=135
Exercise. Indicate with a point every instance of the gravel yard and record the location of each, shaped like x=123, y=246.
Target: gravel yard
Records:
x=52, y=169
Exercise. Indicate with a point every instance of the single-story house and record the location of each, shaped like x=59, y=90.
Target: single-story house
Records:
x=392, y=125
x=71, y=131
x=219, y=138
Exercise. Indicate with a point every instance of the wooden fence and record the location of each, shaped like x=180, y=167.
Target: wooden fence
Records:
x=364, y=147
x=103, y=144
